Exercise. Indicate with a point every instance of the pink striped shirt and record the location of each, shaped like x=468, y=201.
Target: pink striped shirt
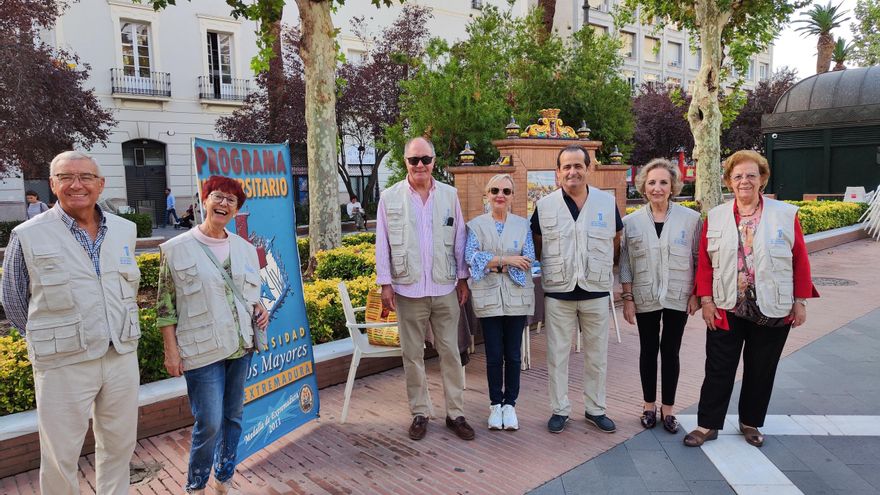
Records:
x=424, y=221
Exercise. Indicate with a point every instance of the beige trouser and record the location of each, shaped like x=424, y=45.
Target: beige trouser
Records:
x=105, y=389
x=413, y=315
x=562, y=319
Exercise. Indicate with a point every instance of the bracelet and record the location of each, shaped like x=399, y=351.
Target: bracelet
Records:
x=707, y=301
x=627, y=296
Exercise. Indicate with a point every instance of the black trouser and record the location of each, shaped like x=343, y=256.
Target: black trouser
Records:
x=503, y=336
x=761, y=348
x=651, y=342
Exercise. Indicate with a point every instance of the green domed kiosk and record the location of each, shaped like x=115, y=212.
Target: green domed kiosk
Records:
x=824, y=134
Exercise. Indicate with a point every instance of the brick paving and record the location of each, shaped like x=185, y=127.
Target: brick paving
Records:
x=373, y=454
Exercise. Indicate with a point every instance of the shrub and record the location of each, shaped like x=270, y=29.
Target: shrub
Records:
x=301, y=210
x=5, y=229
x=149, y=266
x=143, y=221
x=360, y=238
x=324, y=308
x=302, y=245
x=16, y=376
x=151, y=349
x=346, y=262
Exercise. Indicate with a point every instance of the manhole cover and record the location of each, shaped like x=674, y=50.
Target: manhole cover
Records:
x=833, y=281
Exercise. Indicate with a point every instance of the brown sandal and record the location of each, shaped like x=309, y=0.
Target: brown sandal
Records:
x=752, y=435
x=697, y=438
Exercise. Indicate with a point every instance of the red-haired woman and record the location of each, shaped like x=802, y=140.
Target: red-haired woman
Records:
x=209, y=287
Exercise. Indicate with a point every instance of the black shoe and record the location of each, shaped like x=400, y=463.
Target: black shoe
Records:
x=557, y=423
x=602, y=422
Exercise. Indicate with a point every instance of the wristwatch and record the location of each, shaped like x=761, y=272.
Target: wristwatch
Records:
x=801, y=300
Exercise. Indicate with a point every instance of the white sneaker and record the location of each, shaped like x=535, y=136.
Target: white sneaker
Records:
x=508, y=417
x=495, y=417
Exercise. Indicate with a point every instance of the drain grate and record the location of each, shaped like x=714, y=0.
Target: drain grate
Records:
x=831, y=281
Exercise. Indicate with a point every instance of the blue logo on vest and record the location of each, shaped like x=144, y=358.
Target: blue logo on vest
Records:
x=599, y=222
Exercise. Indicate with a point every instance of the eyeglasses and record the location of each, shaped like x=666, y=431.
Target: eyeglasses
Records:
x=220, y=198
x=494, y=191
x=414, y=160
x=748, y=177
x=85, y=179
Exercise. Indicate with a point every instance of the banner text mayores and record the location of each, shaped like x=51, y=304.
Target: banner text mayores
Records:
x=251, y=163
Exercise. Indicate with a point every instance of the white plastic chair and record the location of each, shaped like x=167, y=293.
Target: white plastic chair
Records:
x=362, y=347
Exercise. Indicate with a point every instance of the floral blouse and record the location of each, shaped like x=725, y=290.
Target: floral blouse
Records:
x=745, y=264
x=477, y=260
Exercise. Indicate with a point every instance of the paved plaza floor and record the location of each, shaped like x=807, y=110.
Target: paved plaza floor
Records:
x=822, y=433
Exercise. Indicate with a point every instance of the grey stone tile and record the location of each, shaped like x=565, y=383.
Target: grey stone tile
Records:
x=780, y=456
x=657, y=470
x=615, y=462
x=868, y=472
x=852, y=450
x=706, y=487
x=826, y=466
x=692, y=464
x=552, y=487
x=643, y=441
x=809, y=483
x=623, y=485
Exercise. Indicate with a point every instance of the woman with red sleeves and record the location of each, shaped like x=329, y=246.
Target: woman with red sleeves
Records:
x=753, y=280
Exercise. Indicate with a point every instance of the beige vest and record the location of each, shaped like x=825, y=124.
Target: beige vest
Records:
x=774, y=276
x=496, y=294
x=206, y=331
x=577, y=253
x=74, y=314
x=403, y=234
x=662, y=268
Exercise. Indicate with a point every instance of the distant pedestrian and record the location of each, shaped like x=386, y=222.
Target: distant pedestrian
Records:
x=657, y=263
x=500, y=252
x=356, y=212
x=34, y=205
x=753, y=279
x=170, y=211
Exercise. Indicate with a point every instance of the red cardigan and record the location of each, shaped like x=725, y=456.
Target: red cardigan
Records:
x=803, y=281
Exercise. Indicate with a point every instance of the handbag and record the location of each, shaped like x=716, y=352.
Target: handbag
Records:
x=748, y=309
x=261, y=339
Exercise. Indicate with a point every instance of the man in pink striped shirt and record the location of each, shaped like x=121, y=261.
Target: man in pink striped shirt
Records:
x=420, y=240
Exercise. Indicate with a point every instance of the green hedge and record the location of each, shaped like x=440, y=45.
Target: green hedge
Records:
x=16, y=377
x=346, y=262
x=151, y=349
x=143, y=221
x=5, y=229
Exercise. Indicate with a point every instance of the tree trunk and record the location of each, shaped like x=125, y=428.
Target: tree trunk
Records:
x=839, y=66
x=319, y=60
x=704, y=114
x=275, y=85
x=824, y=48
x=549, y=12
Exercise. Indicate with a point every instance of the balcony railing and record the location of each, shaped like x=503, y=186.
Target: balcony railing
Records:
x=235, y=90
x=157, y=84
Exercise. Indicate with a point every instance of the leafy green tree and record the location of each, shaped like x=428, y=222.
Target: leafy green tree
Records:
x=819, y=21
x=729, y=32
x=842, y=53
x=469, y=91
x=866, y=29
x=318, y=52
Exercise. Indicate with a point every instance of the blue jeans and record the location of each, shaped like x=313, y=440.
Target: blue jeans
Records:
x=216, y=398
x=502, y=336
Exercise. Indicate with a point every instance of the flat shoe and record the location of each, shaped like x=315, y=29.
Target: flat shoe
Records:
x=670, y=424
x=697, y=438
x=649, y=419
x=752, y=435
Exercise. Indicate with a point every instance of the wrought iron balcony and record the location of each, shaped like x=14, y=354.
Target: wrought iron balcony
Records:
x=214, y=88
x=126, y=82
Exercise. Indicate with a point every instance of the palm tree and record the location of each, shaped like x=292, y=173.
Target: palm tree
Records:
x=819, y=22
x=841, y=53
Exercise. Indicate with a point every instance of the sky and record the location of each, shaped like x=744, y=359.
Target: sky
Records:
x=798, y=52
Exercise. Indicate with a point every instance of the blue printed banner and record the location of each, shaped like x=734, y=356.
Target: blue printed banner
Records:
x=281, y=391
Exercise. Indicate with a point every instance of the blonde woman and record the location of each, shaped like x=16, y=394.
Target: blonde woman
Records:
x=499, y=253
x=657, y=264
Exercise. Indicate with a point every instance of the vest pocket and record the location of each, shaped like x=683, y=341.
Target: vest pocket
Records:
x=399, y=266
x=639, y=260
x=252, y=285
x=553, y=273
x=680, y=263
x=56, y=289
x=781, y=259
x=486, y=299
x=131, y=329
x=785, y=294
x=129, y=281
x=194, y=299
x=643, y=294
x=195, y=341
x=718, y=292
x=714, y=240
x=552, y=244
x=596, y=272
x=51, y=337
x=395, y=237
x=520, y=297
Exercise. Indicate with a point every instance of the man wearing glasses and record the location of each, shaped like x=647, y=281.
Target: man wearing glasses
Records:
x=70, y=285
x=576, y=232
x=420, y=241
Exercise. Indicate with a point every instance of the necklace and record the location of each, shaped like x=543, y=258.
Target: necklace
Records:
x=745, y=215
